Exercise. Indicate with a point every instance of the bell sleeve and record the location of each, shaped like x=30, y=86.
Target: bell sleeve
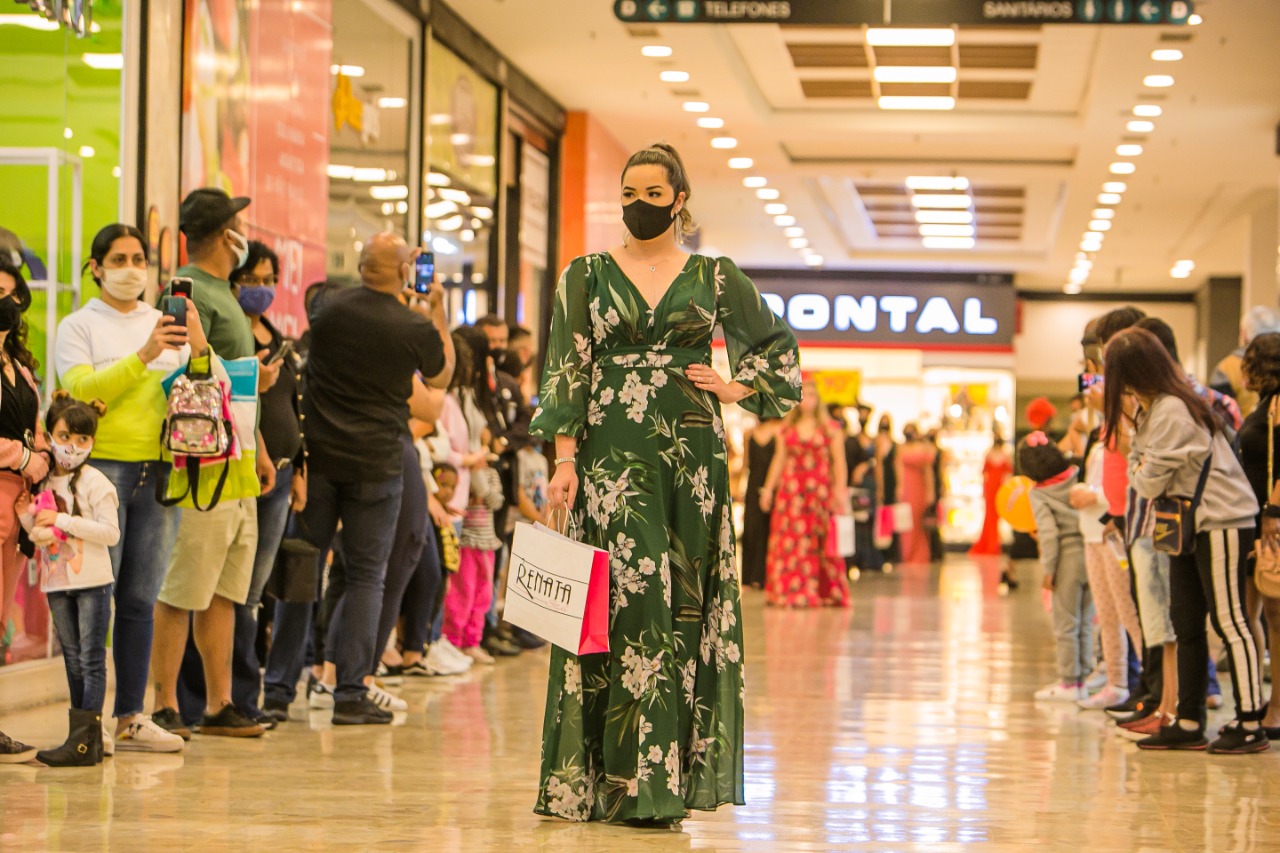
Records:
x=763, y=353
x=566, y=379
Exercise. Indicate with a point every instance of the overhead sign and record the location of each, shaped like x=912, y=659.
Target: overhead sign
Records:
x=885, y=13
x=979, y=312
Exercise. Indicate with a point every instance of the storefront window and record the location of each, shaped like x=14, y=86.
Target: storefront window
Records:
x=62, y=108
x=460, y=185
x=370, y=109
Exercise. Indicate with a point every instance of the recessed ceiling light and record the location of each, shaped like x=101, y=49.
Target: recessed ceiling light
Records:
x=794, y=231
x=947, y=231
x=1123, y=168
x=1071, y=288
x=1078, y=276
x=1157, y=81
x=754, y=181
x=942, y=201
x=1195, y=20
x=1129, y=149
x=908, y=102
x=1114, y=187
x=1140, y=126
x=347, y=70
x=799, y=243
x=776, y=208
x=1103, y=213
x=741, y=162
x=915, y=74
x=906, y=37
x=1084, y=264
x=1099, y=224
x=657, y=51
x=936, y=184
x=724, y=142
x=1148, y=111
x=696, y=106
x=115, y=61
x=1180, y=272
x=949, y=242
x=768, y=194
x=813, y=260
x=786, y=220
x=674, y=76
x=394, y=192
x=1166, y=55
x=944, y=217
x=1188, y=264
x=1110, y=198
x=710, y=123
x=393, y=103
x=1090, y=247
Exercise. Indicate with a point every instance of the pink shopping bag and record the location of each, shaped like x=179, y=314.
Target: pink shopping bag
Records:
x=558, y=589
x=883, y=532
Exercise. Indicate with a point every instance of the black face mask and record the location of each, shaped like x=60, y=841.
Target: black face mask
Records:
x=498, y=355
x=10, y=315
x=647, y=221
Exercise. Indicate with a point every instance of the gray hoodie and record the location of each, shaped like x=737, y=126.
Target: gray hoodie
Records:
x=1056, y=521
x=1168, y=453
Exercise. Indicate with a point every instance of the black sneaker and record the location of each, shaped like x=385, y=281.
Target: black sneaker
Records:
x=1126, y=707
x=500, y=648
x=14, y=752
x=1237, y=740
x=259, y=716
x=418, y=669
x=278, y=711
x=360, y=712
x=229, y=722
x=388, y=674
x=1175, y=737
x=525, y=639
x=1144, y=710
x=168, y=719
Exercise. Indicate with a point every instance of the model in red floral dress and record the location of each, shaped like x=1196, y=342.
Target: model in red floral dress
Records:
x=806, y=483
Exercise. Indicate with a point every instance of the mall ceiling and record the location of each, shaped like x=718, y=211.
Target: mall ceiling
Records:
x=1039, y=115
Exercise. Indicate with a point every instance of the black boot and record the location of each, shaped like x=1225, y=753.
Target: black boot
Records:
x=84, y=743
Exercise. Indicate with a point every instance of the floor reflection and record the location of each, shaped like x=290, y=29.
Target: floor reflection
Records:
x=903, y=723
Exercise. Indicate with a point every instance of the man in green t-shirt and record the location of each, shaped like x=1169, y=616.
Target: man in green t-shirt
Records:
x=212, y=562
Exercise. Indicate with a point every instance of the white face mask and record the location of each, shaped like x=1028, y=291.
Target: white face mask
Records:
x=125, y=284
x=70, y=457
x=242, y=247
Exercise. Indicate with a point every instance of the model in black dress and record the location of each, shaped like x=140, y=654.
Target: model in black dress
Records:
x=755, y=521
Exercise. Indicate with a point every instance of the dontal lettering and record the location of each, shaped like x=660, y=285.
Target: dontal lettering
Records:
x=814, y=312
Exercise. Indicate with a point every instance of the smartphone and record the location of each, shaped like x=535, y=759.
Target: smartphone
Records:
x=181, y=287
x=425, y=272
x=176, y=307
x=1088, y=380
x=281, y=354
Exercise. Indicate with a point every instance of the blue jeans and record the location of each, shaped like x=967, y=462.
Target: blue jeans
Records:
x=412, y=528
x=273, y=514
x=291, y=643
x=82, y=617
x=368, y=512
x=139, y=561
x=421, y=596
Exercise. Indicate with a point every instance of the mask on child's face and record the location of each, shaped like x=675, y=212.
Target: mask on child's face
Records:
x=69, y=456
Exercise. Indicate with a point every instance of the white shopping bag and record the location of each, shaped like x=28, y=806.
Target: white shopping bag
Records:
x=558, y=589
x=840, y=541
x=903, y=519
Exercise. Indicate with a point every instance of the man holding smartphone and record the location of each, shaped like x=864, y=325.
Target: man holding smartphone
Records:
x=366, y=346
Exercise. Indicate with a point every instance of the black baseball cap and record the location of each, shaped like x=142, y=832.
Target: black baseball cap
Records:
x=206, y=210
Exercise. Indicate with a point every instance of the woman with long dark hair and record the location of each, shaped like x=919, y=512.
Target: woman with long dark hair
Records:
x=117, y=348
x=1179, y=449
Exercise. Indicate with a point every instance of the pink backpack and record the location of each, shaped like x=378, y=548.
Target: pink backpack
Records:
x=197, y=428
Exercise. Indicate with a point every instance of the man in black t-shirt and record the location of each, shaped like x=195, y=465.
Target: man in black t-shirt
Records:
x=366, y=346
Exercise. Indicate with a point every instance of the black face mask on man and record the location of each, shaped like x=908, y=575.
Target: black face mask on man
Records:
x=647, y=221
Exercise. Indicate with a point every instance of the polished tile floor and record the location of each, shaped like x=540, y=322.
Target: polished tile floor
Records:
x=902, y=724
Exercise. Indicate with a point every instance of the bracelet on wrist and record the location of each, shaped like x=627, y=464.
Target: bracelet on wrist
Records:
x=565, y=460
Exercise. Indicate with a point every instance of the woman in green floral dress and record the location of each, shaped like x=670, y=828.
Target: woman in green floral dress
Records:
x=654, y=726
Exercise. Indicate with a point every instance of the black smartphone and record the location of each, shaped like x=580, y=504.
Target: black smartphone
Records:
x=425, y=272
x=181, y=287
x=176, y=307
x=1088, y=380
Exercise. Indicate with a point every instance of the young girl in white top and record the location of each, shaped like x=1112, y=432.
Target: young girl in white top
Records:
x=74, y=521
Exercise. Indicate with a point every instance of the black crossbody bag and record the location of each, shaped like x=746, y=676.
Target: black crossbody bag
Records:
x=1175, y=517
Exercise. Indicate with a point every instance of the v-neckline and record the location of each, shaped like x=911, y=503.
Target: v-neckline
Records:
x=652, y=309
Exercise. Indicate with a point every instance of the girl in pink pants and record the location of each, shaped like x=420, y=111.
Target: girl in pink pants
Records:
x=471, y=590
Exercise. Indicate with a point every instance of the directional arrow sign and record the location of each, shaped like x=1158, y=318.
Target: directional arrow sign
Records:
x=657, y=10
x=905, y=13
x=1150, y=12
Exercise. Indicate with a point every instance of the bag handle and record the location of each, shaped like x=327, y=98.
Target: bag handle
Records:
x=1204, y=476
x=563, y=513
x=193, y=487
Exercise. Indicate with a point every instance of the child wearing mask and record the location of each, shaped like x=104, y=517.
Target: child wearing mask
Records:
x=1062, y=554
x=73, y=522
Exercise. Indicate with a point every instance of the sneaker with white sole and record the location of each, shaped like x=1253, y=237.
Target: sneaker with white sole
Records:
x=1104, y=698
x=108, y=742
x=479, y=655
x=143, y=735
x=1096, y=680
x=452, y=651
x=1060, y=692
x=385, y=700
x=319, y=696
x=393, y=675
x=440, y=662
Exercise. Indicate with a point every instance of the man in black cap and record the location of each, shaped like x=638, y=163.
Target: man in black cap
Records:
x=212, y=562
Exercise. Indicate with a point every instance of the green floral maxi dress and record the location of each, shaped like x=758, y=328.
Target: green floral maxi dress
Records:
x=655, y=726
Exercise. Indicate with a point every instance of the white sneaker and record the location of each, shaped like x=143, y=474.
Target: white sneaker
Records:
x=320, y=696
x=1059, y=692
x=385, y=700
x=108, y=742
x=143, y=735
x=439, y=662
x=1105, y=698
x=453, y=652
x=1096, y=680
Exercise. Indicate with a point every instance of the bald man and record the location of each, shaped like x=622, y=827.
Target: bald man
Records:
x=366, y=347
